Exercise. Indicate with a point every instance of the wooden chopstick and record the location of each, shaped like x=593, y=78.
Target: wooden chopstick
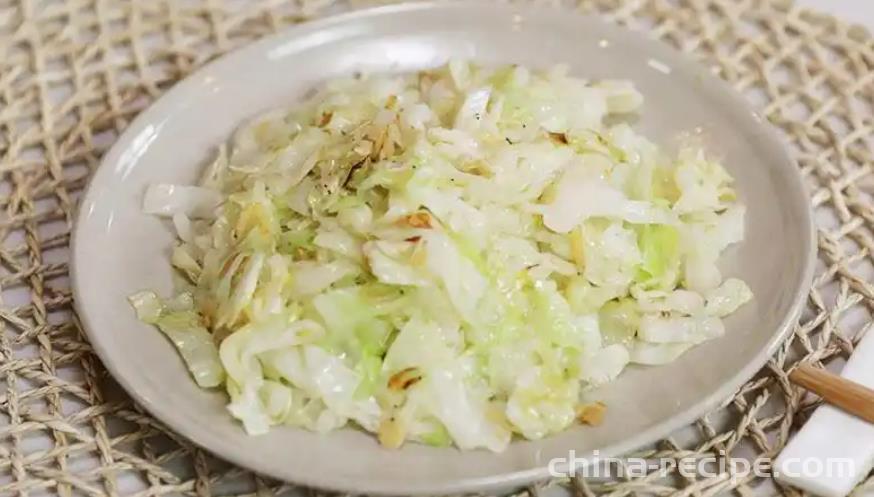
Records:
x=840, y=392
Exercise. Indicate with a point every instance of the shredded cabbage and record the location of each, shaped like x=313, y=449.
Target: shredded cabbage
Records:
x=451, y=257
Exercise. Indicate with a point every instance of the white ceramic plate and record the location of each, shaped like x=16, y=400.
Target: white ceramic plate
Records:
x=118, y=250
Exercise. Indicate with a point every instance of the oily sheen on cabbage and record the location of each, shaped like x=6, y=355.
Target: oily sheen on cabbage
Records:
x=448, y=257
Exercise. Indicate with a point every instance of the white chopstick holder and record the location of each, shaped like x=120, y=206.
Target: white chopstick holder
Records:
x=834, y=450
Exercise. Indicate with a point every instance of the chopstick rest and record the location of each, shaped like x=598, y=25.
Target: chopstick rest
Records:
x=834, y=450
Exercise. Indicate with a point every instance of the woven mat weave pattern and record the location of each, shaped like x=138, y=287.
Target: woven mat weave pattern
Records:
x=74, y=73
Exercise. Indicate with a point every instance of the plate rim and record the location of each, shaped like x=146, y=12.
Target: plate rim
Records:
x=802, y=282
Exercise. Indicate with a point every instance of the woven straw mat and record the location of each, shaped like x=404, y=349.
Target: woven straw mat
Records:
x=74, y=73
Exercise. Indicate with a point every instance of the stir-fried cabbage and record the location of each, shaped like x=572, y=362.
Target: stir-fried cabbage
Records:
x=449, y=257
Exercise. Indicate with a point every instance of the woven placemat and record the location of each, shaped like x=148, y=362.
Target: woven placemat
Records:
x=74, y=73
